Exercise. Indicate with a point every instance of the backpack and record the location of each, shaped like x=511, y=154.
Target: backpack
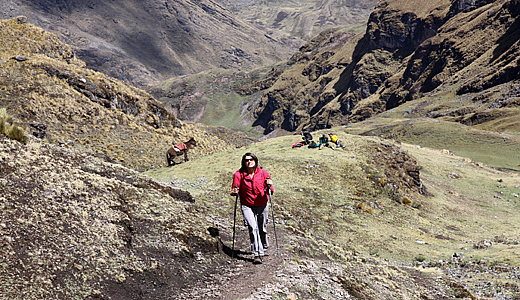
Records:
x=307, y=135
x=313, y=145
x=297, y=144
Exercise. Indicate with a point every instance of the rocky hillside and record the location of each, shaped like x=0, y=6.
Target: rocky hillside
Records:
x=145, y=42
x=49, y=90
x=75, y=226
x=300, y=21
x=460, y=57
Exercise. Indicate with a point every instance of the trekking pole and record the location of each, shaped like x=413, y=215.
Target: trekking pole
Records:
x=234, y=222
x=270, y=193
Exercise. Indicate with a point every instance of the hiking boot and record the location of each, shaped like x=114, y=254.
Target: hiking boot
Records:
x=257, y=260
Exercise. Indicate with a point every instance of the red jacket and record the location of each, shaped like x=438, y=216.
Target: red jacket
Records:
x=252, y=191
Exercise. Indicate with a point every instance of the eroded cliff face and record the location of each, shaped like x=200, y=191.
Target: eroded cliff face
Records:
x=408, y=50
x=471, y=42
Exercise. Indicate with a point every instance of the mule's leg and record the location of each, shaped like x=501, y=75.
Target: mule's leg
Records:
x=185, y=155
x=170, y=158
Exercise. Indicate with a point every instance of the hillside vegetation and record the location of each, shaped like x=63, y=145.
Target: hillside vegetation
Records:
x=75, y=227
x=57, y=98
x=366, y=199
x=378, y=218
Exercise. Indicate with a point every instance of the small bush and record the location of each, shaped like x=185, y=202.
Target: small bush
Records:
x=406, y=200
x=9, y=128
x=419, y=258
x=365, y=208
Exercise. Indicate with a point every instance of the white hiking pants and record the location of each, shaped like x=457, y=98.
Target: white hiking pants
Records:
x=256, y=218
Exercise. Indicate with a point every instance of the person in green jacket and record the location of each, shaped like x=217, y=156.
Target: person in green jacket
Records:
x=324, y=142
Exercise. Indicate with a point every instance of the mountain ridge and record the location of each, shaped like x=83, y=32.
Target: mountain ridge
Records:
x=398, y=63
x=52, y=93
x=146, y=42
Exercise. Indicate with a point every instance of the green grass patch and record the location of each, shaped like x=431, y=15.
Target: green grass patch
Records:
x=499, y=150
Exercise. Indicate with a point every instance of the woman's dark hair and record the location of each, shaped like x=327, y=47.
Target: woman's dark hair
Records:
x=244, y=166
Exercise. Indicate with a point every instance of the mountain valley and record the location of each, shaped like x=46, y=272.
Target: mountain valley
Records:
x=422, y=203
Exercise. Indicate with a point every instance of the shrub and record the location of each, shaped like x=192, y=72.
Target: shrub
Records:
x=419, y=258
x=365, y=208
x=406, y=200
x=9, y=128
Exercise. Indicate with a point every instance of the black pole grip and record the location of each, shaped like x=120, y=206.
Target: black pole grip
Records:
x=234, y=194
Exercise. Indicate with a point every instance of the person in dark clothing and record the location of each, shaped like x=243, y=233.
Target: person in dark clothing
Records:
x=306, y=136
x=251, y=182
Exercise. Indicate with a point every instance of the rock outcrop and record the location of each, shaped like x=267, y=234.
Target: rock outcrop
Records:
x=407, y=52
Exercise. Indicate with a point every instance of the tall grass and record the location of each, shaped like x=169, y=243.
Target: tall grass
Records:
x=10, y=128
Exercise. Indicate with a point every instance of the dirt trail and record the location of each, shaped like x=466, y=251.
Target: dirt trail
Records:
x=246, y=277
x=227, y=278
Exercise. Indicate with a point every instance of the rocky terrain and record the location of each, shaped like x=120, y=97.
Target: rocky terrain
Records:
x=75, y=226
x=47, y=88
x=143, y=43
x=457, y=59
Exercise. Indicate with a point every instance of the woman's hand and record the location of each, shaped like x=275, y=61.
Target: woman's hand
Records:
x=234, y=191
x=268, y=181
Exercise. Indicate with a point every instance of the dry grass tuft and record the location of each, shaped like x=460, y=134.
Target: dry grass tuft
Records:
x=10, y=128
x=365, y=208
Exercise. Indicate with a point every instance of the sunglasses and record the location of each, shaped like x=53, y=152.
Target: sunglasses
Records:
x=248, y=159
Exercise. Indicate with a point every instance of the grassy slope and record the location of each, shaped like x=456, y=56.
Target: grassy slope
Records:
x=485, y=142
x=317, y=193
x=98, y=114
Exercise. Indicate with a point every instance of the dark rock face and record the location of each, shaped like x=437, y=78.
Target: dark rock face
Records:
x=39, y=130
x=398, y=31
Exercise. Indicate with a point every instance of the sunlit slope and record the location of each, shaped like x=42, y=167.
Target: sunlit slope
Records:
x=362, y=198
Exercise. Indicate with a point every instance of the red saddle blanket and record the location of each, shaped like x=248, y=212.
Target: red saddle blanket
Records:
x=180, y=146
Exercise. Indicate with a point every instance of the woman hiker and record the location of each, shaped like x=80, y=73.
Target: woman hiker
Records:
x=251, y=183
